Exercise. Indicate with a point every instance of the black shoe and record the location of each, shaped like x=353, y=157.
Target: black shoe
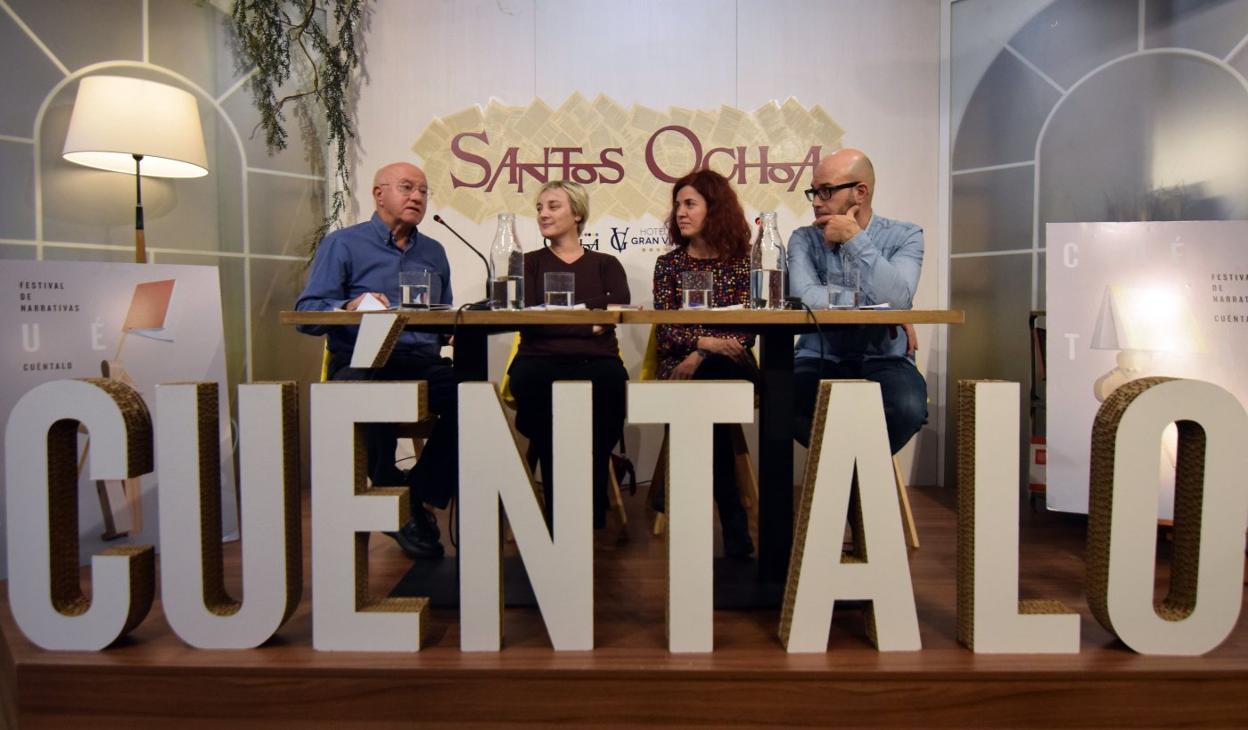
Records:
x=419, y=536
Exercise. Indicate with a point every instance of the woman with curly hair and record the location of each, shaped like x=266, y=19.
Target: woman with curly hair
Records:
x=709, y=229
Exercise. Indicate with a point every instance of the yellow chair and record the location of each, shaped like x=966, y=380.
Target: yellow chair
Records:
x=907, y=516
x=614, y=497
x=746, y=478
x=903, y=493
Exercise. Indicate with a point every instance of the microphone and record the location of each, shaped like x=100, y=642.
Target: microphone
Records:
x=486, y=301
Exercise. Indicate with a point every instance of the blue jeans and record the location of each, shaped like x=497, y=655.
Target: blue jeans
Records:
x=902, y=388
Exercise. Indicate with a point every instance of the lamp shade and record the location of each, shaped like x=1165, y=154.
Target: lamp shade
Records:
x=117, y=117
x=1156, y=319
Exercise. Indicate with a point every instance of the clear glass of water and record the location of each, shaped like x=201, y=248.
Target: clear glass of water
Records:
x=415, y=289
x=560, y=288
x=842, y=297
x=696, y=289
x=845, y=293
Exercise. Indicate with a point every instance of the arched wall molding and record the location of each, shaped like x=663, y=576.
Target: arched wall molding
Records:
x=40, y=242
x=955, y=292
x=1220, y=63
x=247, y=166
x=92, y=69
x=1036, y=249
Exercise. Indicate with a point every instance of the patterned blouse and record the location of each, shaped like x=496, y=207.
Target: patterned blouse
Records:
x=731, y=287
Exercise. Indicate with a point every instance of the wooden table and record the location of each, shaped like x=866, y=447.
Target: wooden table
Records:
x=471, y=328
x=776, y=331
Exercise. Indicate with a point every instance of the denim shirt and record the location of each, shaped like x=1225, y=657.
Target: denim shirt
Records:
x=887, y=256
x=363, y=258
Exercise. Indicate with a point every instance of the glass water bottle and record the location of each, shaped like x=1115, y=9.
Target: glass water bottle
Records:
x=506, y=266
x=767, y=267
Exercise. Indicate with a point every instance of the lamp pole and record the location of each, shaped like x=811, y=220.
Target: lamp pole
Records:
x=140, y=243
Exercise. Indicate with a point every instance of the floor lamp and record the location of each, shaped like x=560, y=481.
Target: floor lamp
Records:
x=137, y=127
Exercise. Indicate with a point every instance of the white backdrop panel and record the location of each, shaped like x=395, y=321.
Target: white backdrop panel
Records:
x=875, y=71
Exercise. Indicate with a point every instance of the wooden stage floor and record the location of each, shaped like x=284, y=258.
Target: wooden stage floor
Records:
x=151, y=679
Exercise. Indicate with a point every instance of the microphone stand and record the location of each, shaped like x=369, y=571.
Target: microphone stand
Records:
x=484, y=303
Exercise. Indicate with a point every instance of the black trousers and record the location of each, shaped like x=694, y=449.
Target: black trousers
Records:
x=531, y=380
x=727, y=496
x=435, y=477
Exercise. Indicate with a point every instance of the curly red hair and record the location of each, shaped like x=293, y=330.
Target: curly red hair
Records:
x=725, y=230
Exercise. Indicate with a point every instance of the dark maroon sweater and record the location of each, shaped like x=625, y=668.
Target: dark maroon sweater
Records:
x=600, y=280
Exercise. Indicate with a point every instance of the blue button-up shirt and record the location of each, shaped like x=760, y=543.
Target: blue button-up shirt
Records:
x=887, y=256
x=363, y=258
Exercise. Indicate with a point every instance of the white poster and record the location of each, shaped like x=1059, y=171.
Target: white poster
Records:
x=143, y=324
x=1130, y=300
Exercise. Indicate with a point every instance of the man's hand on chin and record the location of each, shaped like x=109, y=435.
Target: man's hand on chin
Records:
x=838, y=229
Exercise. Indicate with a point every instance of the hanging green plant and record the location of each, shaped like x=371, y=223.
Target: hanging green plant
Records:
x=323, y=32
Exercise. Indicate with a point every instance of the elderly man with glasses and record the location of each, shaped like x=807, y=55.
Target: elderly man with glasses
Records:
x=848, y=246
x=360, y=264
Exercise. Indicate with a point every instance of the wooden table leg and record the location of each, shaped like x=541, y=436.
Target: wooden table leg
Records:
x=775, y=455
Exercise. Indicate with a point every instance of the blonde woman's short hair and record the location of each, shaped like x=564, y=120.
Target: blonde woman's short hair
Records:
x=578, y=198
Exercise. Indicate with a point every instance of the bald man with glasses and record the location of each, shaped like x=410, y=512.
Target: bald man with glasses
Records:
x=362, y=262
x=849, y=245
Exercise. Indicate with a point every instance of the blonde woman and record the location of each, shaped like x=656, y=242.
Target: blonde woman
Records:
x=570, y=352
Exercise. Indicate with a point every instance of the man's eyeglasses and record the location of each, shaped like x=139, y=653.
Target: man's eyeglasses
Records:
x=825, y=191
x=406, y=189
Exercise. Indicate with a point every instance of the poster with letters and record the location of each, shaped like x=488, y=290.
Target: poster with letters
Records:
x=1130, y=300
x=142, y=324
